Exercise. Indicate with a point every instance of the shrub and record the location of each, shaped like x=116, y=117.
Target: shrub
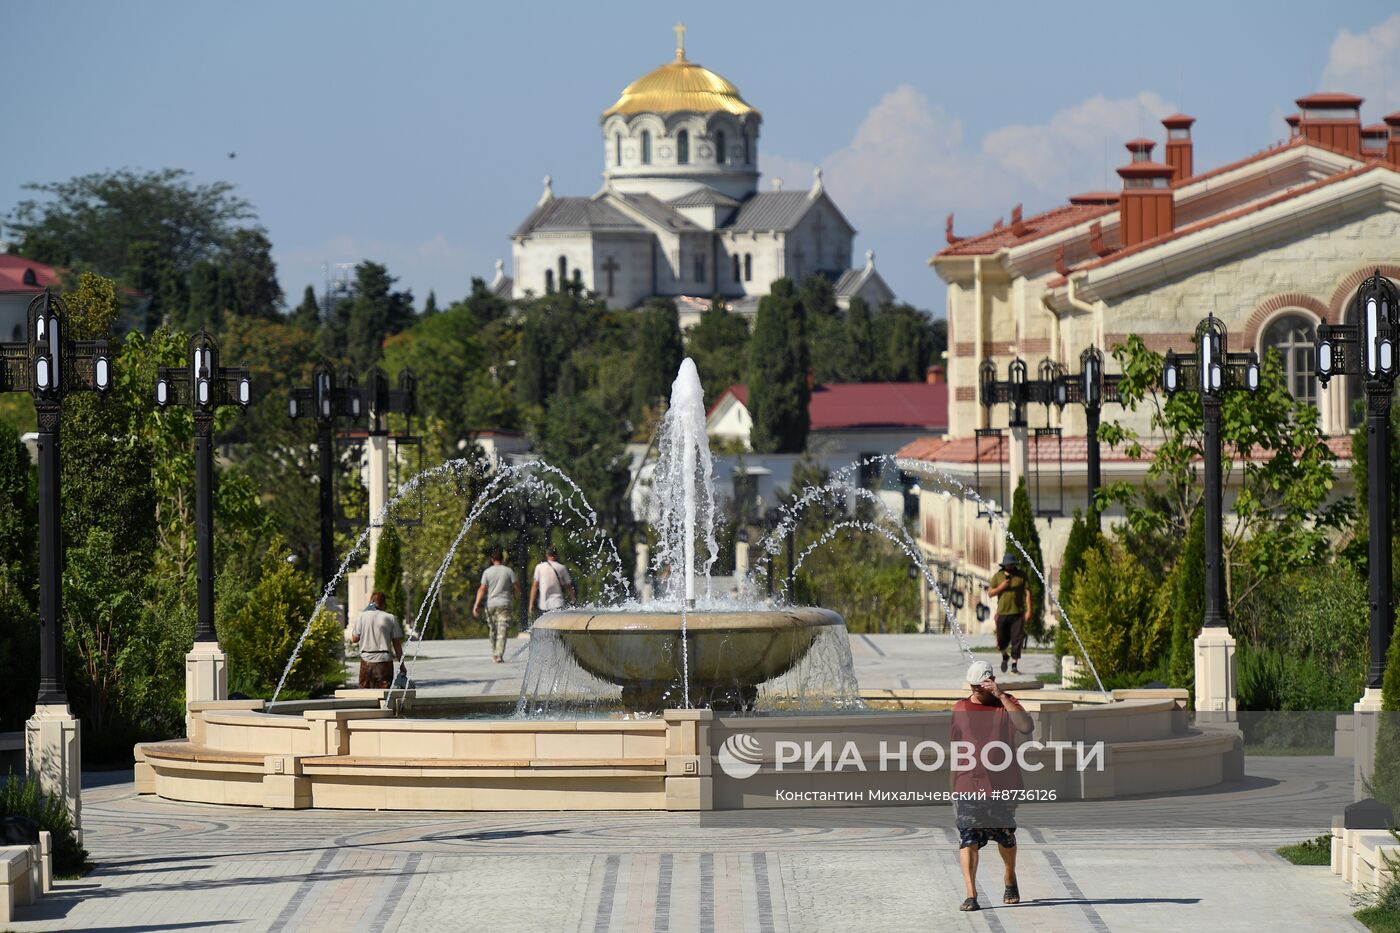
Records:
x=1022, y=527
x=1082, y=536
x=1114, y=608
x=20, y=796
x=261, y=635
x=1188, y=582
x=388, y=571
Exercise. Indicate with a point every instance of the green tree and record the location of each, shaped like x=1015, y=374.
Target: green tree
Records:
x=374, y=313
x=251, y=275
x=1117, y=613
x=1021, y=526
x=429, y=306
x=906, y=342
x=719, y=344
x=1082, y=536
x=209, y=297
x=778, y=373
x=19, y=636
x=1188, y=582
x=307, y=315
x=1281, y=519
x=388, y=571
x=658, y=354
x=586, y=441
x=860, y=362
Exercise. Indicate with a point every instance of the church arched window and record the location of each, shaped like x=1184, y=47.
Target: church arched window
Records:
x=563, y=270
x=699, y=267
x=617, y=145
x=646, y=147
x=1292, y=336
x=683, y=147
x=748, y=153
x=735, y=257
x=549, y=281
x=578, y=277
x=748, y=267
x=720, y=152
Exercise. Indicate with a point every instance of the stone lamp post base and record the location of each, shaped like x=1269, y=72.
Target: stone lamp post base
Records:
x=206, y=673
x=53, y=757
x=1215, y=676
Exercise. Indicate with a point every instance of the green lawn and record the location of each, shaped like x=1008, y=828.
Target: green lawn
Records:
x=1379, y=919
x=1316, y=851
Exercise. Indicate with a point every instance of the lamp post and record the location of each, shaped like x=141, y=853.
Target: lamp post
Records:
x=1016, y=391
x=1210, y=371
x=205, y=386
x=1367, y=349
x=1090, y=387
x=49, y=365
x=325, y=401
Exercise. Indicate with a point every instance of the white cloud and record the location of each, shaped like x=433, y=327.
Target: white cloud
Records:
x=910, y=163
x=1360, y=63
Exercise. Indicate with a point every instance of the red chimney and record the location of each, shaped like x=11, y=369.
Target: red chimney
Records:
x=934, y=376
x=1332, y=120
x=1373, y=140
x=1018, y=229
x=1392, y=149
x=1292, y=121
x=1146, y=209
x=1179, y=155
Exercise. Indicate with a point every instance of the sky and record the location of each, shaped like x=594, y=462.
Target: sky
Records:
x=417, y=134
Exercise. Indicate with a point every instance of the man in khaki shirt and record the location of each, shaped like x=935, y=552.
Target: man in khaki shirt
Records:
x=380, y=638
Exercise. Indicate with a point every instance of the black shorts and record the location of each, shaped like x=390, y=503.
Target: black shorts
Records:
x=1011, y=634
x=981, y=821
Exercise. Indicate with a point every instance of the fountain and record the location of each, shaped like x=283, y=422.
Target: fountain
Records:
x=685, y=650
x=632, y=706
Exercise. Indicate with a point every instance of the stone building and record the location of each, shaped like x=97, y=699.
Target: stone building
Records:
x=1272, y=244
x=680, y=213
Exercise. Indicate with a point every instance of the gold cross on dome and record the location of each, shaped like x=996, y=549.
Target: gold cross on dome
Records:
x=680, y=41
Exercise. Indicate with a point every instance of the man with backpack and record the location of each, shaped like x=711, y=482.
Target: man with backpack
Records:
x=550, y=582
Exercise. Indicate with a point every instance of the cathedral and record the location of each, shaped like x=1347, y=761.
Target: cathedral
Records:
x=680, y=214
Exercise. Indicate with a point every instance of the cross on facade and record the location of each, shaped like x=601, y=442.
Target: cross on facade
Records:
x=610, y=267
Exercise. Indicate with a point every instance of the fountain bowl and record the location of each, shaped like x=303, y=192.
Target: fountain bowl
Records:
x=730, y=652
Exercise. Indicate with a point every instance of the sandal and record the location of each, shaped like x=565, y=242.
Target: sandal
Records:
x=970, y=904
x=1012, y=894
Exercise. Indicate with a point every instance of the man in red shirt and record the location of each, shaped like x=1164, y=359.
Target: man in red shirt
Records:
x=988, y=717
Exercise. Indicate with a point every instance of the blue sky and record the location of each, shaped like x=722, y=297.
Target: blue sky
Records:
x=417, y=133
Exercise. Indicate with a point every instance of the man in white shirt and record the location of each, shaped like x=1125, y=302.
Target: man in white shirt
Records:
x=550, y=581
x=500, y=589
x=380, y=638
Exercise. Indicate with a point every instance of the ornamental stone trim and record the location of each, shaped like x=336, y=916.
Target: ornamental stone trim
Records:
x=1343, y=292
x=1270, y=306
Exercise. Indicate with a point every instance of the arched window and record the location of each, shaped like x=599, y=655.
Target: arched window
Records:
x=720, y=152
x=683, y=147
x=549, y=281
x=748, y=153
x=699, y=267
x=736, y=267
x=578, y=277
x=646, y=147
x=617, y=145
x=563, y=270
x=1292, y=336
x=748, y=267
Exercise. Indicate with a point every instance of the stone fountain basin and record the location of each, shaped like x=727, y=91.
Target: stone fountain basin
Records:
x=725, y=647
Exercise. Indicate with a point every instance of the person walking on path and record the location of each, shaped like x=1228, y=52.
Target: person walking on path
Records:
x=981, y=807
x=550, y=581
x=380, y=638
x=501, y=589
x=1013, y=598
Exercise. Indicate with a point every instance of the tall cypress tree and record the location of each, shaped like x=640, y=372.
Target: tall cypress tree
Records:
x=388, y=571
x=429, y=306
x=860, y=343
x=658, y=354
x=777, y=373
x=1022, y=527
x=1188, y=604
x=307, y=315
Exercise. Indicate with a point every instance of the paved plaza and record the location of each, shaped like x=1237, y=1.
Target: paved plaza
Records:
x=172, y=866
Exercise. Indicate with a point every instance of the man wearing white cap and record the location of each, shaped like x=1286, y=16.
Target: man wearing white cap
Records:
x=988, y=715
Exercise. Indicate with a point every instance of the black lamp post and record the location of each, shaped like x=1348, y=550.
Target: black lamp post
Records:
x=205, y=386
x=1210, y=371
x=49, y=365
x=325, y=401
x=1367, y=349
x=1090, y=387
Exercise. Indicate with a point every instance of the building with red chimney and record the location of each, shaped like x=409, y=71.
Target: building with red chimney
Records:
x=1272, y=244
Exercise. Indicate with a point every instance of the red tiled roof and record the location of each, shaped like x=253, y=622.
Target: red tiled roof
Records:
x=1328, y=99
x=851, y=405
x=1075, y=449
x=13, y=268
x=1224, y=217
x=1033, y=228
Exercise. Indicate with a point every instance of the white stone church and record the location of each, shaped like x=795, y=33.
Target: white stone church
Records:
x=680, y=213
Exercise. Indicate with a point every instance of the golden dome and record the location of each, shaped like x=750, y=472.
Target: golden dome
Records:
x=680, y=85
